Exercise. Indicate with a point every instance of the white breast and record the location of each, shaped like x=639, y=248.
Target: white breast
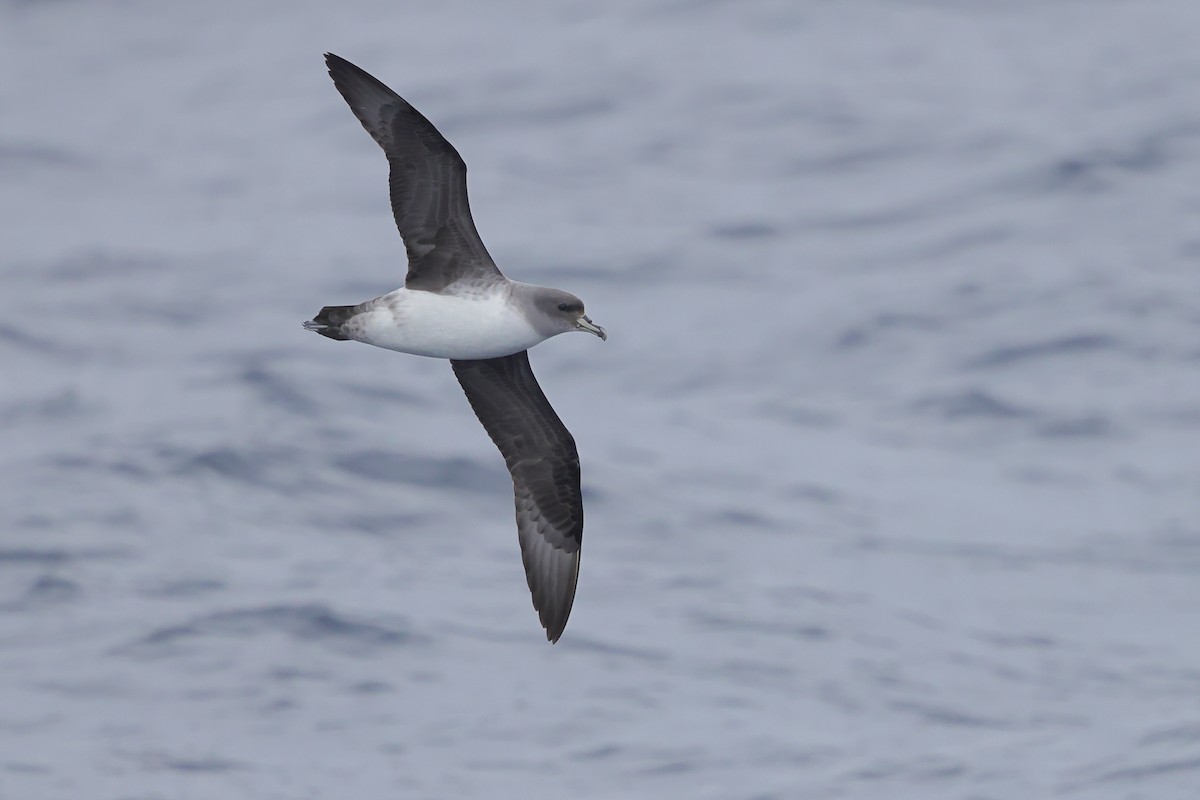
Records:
x=444, y=326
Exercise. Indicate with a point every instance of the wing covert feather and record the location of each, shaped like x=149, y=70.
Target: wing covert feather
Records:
x=427, y=184
x=541, y=456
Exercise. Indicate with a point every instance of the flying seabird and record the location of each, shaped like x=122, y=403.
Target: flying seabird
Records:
x=456, y=304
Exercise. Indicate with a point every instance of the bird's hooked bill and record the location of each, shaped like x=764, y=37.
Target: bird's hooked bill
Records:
x=586, y=324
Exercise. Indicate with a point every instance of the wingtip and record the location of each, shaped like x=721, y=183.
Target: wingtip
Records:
x=336, y=64
x=554, y=617
x=343, y=71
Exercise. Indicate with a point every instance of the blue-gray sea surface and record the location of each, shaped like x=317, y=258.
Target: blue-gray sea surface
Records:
x=892, y=459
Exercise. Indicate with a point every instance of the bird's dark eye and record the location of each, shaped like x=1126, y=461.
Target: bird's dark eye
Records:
x=569, y=307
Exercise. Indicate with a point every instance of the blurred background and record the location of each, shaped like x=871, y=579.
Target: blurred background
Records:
x=890, y=459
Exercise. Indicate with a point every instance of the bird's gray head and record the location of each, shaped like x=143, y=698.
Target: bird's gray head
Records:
x=562, y=312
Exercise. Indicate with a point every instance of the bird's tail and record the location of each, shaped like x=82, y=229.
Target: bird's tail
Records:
x=330, y=320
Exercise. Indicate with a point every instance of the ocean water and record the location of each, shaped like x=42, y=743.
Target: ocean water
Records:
x=891, y=461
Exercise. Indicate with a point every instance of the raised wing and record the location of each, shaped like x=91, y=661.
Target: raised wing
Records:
x=428, y=184
x=540, y=453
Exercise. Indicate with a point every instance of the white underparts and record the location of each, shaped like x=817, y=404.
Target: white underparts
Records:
x=472, y=326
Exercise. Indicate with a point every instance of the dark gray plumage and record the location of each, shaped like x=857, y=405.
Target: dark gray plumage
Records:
x=428, y=181
x=540, y=453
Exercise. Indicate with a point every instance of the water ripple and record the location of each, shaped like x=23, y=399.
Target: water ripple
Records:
x=309, y=623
